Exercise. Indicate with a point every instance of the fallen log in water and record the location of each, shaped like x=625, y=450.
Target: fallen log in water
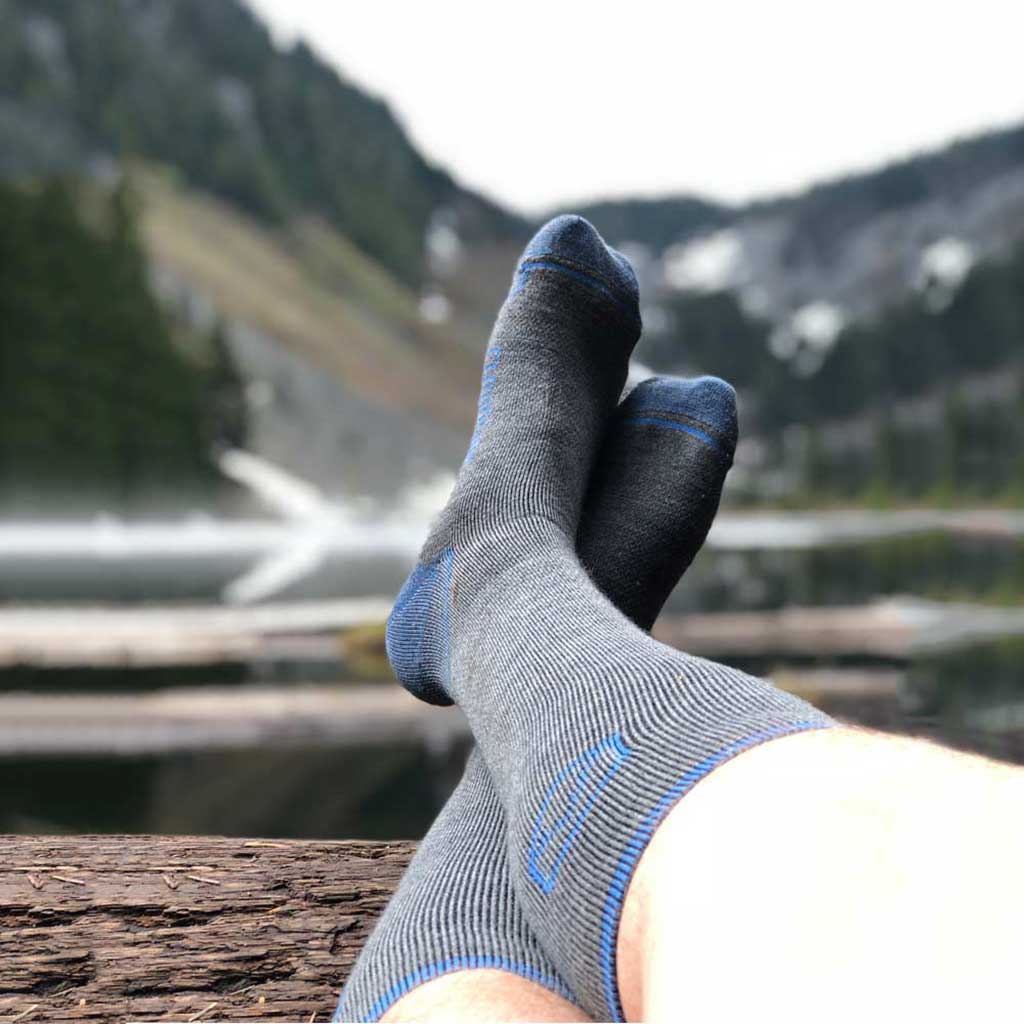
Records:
x=185, y=719
x=120, y=637
x=897, y=628
x=139, y=928
x=48, y=638
x=221, y=718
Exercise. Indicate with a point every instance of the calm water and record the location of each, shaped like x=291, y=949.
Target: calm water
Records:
x=972, y=697
x=381, y=793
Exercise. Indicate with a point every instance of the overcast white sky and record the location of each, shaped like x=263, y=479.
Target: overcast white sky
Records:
x=540, y=102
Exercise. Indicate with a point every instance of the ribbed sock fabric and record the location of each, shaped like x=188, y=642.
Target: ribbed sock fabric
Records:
x=590, y=729
x=649, y=507
x=655, y=491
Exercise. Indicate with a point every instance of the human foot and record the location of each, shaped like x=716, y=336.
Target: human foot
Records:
x=591, y=730
x=553, y=371
x=649, y=506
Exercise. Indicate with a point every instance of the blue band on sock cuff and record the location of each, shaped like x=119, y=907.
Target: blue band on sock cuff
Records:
x=638, y=843
x=461, y=963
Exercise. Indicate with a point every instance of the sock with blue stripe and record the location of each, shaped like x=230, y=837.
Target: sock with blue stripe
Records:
x=648, y=509
x=656, y=508
x=591, y=730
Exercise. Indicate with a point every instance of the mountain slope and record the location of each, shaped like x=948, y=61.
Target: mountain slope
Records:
x=282, y=201
x=349, y=385
x=820, y=218
x=201, y=86
x=356, y=282
x=263, y=279
x=873, y=325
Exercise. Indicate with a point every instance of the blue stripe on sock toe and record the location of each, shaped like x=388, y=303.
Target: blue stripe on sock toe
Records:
x=638, y=843
x=525, y=268
x=707, y=400
x=572, y=240
x=674, y=425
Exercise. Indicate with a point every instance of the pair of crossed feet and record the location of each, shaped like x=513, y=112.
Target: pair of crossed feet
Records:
x=572, y=518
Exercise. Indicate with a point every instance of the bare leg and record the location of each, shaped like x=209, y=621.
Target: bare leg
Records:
x=840, y=873
x=482, y=997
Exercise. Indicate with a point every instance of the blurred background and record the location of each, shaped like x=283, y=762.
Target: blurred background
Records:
x=249, y=258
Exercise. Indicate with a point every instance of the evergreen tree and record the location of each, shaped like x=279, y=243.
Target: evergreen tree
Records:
x=97, y=397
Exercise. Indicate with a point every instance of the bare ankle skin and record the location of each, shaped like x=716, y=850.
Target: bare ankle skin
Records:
x=866, y=873
x=482, y=997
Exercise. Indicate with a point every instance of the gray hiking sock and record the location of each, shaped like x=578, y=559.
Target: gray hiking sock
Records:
x=590, y=729
x=648, y=510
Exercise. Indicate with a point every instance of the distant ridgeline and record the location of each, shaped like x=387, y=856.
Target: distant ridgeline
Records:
x=819, y=222
x=874, y=326
x=103, y=398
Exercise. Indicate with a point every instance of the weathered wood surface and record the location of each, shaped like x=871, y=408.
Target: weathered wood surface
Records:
x=119, y=928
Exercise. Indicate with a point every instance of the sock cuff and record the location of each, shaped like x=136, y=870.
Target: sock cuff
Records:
x=450, y=965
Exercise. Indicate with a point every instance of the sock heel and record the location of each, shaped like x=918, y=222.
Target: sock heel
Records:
x=418, y=634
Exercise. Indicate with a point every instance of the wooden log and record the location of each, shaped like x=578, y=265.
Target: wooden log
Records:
x=312, y=631
x=154, y=928
x=898, y=628
x=221, y=718
x=119, y=637
x=177, y=720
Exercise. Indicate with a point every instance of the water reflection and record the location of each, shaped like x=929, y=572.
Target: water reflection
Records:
x=972, y=699
x=317, y=780
x=313, y=792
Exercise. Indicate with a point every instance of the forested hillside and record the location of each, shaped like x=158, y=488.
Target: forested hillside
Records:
x=102, y=395
x=277, y=198
x=200, y=85
x=872, y=324
x=917, y=403
x=907, y=350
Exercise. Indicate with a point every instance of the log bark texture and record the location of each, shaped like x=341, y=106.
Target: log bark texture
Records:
x=156, y=928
